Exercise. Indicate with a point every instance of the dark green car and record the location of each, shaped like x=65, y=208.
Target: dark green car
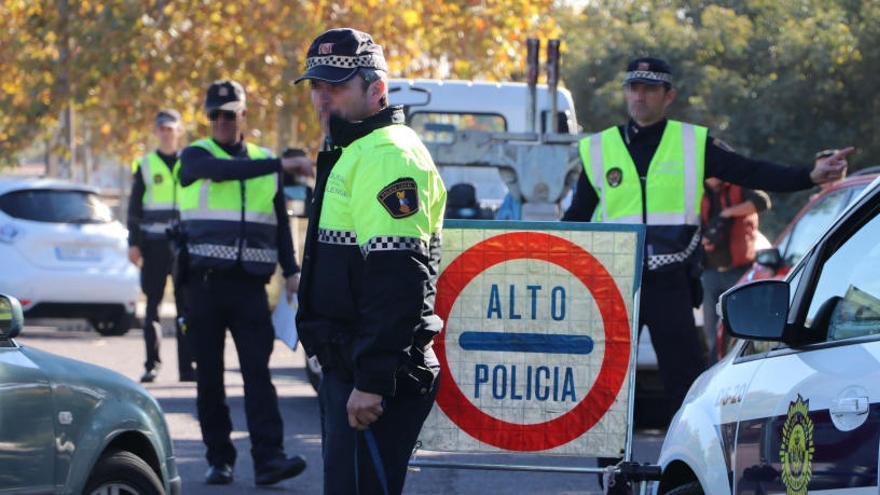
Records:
x=67, y=427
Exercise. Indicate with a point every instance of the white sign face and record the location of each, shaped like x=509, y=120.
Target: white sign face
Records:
x=536, y=348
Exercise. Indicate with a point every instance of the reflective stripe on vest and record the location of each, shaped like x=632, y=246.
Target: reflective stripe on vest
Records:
x=208, y=200
x=670, y=205
x=216, y=214
x=352, y=212
x=160, y=195
x=674, y=184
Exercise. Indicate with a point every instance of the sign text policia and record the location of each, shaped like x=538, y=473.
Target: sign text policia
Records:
x=537, y=345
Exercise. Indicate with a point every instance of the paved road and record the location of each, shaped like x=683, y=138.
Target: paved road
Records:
x=302, y=429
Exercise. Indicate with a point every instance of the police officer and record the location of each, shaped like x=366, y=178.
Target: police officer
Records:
x=651, y=171
x=369, y=270
x=235, y=221
x=152, y=211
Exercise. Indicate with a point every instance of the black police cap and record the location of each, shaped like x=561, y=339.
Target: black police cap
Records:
x=336, y=56
x=648, y=70
x=225, y=95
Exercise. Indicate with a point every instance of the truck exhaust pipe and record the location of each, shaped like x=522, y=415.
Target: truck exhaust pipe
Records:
x=533, y=46
x=552, y=81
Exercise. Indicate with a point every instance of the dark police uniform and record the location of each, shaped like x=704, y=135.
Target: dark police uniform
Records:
x=368, y=284
x=669, y=294
x=236, y=225
x=152, y=210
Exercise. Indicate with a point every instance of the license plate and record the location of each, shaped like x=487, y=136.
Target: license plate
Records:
x=77, y=253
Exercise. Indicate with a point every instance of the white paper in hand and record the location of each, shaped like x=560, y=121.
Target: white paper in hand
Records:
x=284, y=321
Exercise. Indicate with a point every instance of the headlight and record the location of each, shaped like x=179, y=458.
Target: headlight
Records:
x=9, y=233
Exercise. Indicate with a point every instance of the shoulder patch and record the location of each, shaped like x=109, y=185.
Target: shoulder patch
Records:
x=400, y=198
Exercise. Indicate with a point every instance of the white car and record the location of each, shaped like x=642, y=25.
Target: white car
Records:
x=795, y=407
x=63, y=256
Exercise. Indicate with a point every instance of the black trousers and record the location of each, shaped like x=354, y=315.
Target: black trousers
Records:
x=240, y=304
x=157, y=261
x=348, y=467
x=666, y=307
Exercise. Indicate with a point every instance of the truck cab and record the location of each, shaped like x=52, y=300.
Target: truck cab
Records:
x=437, y=109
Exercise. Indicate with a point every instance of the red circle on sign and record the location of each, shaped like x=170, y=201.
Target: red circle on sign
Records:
x=591, y=273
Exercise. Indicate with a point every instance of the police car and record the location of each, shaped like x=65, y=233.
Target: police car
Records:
x=795, y=407
x=64, y=256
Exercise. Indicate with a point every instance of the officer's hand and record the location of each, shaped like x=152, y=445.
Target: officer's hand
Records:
x=831, y=168
x=292, y=286
x=363, y=409
x=134, y=255
x=707, y=245
x=298, y=165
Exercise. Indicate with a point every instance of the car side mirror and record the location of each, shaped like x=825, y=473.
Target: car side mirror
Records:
x=11, y=317
x=771, y=258
x=757, y=310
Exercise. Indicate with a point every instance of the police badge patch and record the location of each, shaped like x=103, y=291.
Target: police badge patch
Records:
x=157, y=179
x=400, y=198
x=797, y=448
x=614, y=176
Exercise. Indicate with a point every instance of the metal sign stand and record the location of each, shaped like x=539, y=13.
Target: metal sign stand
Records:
x=515, y=154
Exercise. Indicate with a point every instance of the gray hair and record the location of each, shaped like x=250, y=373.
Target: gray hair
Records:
x=370, y=75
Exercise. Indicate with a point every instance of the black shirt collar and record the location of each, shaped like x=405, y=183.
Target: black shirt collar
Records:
x=633, y=132
x=169, y=160
x=232, y=149
x=343, y=132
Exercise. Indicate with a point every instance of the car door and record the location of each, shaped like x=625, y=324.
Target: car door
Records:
x=810, y=419
x=27, y=438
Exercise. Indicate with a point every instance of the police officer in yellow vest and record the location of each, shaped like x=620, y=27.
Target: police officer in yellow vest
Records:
x=235, y=222
x=651, y=171
x=369, y=269
x=152, y=210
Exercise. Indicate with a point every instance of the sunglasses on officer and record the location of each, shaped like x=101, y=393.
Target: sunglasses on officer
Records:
x=217, y=114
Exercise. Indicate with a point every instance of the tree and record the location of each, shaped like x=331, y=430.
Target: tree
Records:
x=777, y=79
x=115, y=63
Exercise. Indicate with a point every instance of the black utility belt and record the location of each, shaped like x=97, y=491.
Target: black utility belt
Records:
x=413, y=377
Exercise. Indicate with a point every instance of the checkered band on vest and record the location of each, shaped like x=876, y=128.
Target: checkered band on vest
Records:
x=343, y=61
x=658, y=260
x=257, y=255
x=214, y=251
x=222, y=252
x=342, y=237
x=435, y=244
x=394, y=243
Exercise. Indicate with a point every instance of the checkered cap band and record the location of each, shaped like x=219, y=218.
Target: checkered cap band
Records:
x=395, y=243
x=342, y=237
x=648, y=74
x=346, y=62
x=659, y=260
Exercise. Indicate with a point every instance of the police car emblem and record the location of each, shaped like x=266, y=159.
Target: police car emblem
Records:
x=400, y=198
x=157, y=179
x=614, y=176
x=797, y=448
